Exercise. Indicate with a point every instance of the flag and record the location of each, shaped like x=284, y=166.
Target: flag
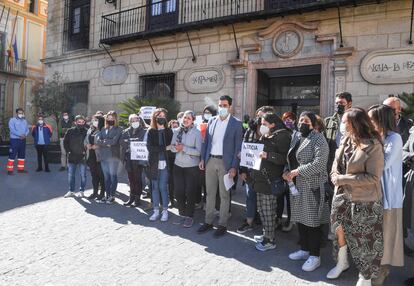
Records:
x=16, y=52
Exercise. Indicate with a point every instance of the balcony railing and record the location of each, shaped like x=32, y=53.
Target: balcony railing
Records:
x=168, y=16
x=11, y=66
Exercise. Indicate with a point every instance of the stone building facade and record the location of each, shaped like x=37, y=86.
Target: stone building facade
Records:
x=295, y=61
x=22, y=22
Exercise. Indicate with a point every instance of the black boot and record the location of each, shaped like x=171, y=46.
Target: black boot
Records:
x=130, y=201
x=137, y=202
x=93, y=195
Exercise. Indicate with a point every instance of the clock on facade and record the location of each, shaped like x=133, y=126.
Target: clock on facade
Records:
x=287, y=43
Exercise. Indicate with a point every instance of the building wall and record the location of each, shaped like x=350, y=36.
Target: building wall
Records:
x=31, y=41
x=365, y=28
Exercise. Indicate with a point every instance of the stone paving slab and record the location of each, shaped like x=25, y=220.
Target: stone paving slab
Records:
x=48, y=240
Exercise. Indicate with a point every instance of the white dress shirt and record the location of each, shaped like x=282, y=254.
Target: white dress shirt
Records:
x=218, y=130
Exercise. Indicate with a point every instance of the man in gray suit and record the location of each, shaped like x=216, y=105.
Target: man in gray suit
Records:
x=219, y=156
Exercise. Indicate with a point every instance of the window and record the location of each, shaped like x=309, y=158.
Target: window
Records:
x=78, y=92
x=33, y=6
x=160, y=85
x=171, y=6
x=156, y=7
x=76, y=25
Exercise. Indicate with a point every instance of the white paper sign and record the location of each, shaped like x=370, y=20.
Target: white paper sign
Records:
x=198, y=121
x=146, y=111
x=250, y=155
x=228, y=182
x=139, y=150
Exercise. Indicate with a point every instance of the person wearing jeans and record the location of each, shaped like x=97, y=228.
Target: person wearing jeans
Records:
x=186, y=143
x=109, y=152
x=75, y=148
x=158, y=145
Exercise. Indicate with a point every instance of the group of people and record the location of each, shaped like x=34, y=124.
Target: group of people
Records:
x=341, y=177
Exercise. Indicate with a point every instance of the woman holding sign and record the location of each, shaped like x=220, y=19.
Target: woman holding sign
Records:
x=186, y=143
x=308, y=156
x=158, y=144
x=275, y=138
x=134, y=160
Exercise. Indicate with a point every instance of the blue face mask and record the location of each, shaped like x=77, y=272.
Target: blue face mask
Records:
x=223, y=112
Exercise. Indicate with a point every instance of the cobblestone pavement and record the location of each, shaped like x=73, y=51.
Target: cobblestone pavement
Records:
x=48, y=240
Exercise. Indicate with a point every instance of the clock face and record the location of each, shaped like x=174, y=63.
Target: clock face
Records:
x=287, y=43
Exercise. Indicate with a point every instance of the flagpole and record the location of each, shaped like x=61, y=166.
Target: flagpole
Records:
x=14, y=28
x=7, y=20
x=2, y=12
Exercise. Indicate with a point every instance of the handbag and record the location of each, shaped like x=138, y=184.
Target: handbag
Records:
x=278, y=186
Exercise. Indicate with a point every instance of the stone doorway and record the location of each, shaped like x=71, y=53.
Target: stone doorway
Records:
x=293, y=89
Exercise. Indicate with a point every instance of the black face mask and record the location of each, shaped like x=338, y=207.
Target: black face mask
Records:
x=304, y=129
x=161, y=121
x=340, y=109
x=80, y=126
x=111, y=122
x=255, y=123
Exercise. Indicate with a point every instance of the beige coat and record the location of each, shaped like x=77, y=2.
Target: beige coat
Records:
x=362, y=179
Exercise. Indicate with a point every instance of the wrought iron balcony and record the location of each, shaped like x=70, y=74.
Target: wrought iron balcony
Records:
x=169, y=16
x=10, y=66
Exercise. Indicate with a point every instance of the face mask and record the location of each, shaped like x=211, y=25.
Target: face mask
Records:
x=20, y=115
x=289, y=124
x=304, y=129
x=66, y=117
x=207, y=116
x=342, y=128
x=80, y=126
x=264, y=129
x=111, y=122
x=95, y=123
x=340, y=109
x=223, y=112
x=161, y=121
x=135, y=125
x=40, y=122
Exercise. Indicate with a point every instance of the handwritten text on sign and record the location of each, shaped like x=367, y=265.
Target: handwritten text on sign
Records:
x=145, y=112
x=250, y=155
x=139, y=150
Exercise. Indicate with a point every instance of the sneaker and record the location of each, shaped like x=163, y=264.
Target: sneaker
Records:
x=110, y=200
x=179, y=221
x=155, y=215
x=80, y=194
x=220, y=231
x=188, y=222
x=258, y=238
x=69, y=195
x=244, y=228
x=265, y=245
x=164, y=215
x=299, y=255
x=101, y=201
x=311, y=263
x=287, y=226
x=204, y=228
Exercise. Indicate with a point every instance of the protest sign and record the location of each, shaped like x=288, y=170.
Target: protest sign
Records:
x=250, y=155
x=139, y=150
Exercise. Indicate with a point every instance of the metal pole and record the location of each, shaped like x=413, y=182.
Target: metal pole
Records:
x=411, y=26
x=7, y=20
x=341, y=44
x=235, y=40
x=191, y=47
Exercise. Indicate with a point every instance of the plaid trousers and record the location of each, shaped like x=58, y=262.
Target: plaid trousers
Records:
x=267, y=205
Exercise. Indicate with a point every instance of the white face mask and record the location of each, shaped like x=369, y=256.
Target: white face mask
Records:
x=40, y=122
x=223, y=112
x=66, y=117
x=135, y=125
x=207, y=116
x=342, y=128
x=95, y=123
x=20, y=115
x=264, y=130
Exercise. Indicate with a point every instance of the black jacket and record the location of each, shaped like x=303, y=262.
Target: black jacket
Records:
x=74, y=144
x=154, y=149
x=127, y=135
x=276, y=145
x=404, y=125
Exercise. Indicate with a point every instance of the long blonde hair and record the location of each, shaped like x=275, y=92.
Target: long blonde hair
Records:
x=115, y=117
